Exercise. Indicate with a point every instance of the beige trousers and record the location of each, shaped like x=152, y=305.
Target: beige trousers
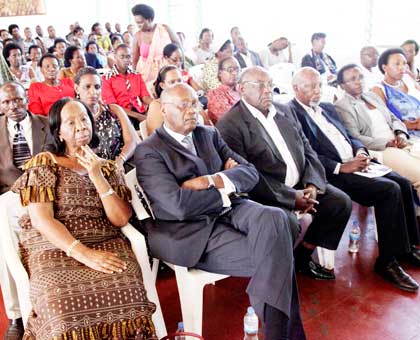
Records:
x=402, y=162
x=9, y=291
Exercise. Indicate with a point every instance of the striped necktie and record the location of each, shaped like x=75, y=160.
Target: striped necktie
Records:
x=21, y=151
x=189, y=144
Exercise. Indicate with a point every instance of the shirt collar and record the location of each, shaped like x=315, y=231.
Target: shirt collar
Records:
x=306, y=107
x=175, y=135
x=258, y=114
x=26, y=123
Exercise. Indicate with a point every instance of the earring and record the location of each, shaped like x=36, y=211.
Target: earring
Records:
x=77, y=95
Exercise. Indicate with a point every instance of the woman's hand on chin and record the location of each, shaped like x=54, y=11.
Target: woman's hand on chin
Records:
x=90, y=161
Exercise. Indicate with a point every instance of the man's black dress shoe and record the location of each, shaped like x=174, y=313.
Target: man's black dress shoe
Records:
x=397, y=276
x=315, y=271
x=413, y=257
x=15, y=330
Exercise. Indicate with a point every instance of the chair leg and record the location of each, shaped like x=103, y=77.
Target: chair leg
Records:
x=191, y=299
x=155, y=269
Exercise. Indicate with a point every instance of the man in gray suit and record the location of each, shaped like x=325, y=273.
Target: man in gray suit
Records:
x=368, y=119
x=196, y=185
x=269, y=136
x=13, y=111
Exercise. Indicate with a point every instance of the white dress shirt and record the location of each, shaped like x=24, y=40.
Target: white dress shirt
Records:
x=229, y=187
x=269, y=59
x=269, y=124
x=380, y=127
x=247, y=59
x=370, y=78
x=336, y=138
x=27, y=131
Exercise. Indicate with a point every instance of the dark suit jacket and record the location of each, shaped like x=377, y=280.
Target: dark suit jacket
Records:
x=246, y=136
x=185, y=218
x=8, y=172
x=255, y=58
x=327, y=153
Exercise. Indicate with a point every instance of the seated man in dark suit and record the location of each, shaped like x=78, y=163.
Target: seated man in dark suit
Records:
x=343, y=156
x=22, y=135
x=193, y=181
x=269, y=136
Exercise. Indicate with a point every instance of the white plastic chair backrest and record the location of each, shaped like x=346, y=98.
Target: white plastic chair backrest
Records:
x=282, y=75
x=143, y=130
x=139, y=200
x=196, y=72
x=10, y=211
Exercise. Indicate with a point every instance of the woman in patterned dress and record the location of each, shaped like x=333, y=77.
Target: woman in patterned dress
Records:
x=85, y=282
x=117, y=137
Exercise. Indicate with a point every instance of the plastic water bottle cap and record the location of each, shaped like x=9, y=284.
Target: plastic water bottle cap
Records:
x=250, y=310
x=180, y=326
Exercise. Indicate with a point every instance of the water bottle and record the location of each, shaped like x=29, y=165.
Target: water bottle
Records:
x=354, y=238
x=180, y=329
x=251, y=325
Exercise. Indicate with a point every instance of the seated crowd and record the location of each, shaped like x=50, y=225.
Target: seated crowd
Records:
x=228, y=170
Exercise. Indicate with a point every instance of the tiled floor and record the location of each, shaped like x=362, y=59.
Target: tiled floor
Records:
x=357, y=305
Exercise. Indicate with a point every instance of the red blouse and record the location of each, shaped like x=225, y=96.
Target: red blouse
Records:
x=220, y=100
x=42, y=97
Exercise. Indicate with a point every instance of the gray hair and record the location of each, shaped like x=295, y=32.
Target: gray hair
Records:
x=300, y=75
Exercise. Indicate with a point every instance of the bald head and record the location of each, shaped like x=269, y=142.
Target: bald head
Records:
x=180, y=107
x=252, y=73
x=307, y=85
x=256, y=88
x=369, y=57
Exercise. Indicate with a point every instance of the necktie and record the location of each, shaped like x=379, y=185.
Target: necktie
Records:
x=21, y=151
x=189, y=144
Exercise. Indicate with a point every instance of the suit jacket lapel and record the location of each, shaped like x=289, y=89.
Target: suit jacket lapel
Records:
x=284, y=128
x=4, y=140
x=255, y=127
x=359, y=111
x=319, y=135
x=337, y=124
x=38, y=134
x=173, y=144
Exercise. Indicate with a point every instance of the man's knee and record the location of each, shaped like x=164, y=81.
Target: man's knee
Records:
x=278, y=222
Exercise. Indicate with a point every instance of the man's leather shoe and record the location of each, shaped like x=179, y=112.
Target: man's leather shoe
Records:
x=315, y=271
x=15, y=330
x=397, y=276
x=413, y=257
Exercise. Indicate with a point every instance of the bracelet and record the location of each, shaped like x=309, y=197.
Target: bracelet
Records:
x=106, y=194
x=71, y=247
x=123, y=157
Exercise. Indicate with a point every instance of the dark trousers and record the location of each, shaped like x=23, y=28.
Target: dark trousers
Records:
x=254, y=240
x=392, y=198
x=330, y=220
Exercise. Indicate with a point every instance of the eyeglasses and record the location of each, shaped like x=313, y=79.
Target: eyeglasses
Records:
x=260, y=84
x=186, y=106
x=232, y=69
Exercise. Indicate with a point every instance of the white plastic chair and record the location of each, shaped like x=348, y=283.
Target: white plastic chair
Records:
x=143, y=130
x=11, y=210
x=196, y=72
x=190, y=282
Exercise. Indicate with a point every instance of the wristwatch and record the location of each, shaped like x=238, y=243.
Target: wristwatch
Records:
x=211, y=182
